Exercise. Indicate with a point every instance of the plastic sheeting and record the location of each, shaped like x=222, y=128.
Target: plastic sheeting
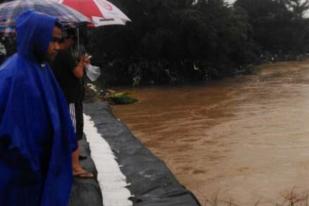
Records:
x=152, y=183
x=86, y=192
x=112, y=182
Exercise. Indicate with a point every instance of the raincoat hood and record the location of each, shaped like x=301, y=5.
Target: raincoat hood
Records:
x=34, y=32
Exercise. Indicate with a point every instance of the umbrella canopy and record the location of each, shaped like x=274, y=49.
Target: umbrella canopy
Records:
x=10, y=10
x=101, y=12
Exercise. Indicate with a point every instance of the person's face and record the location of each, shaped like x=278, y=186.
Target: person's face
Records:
x=54, y=45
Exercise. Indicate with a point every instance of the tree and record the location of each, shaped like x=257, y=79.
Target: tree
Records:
x=298, y=7
x=171, y=40
x=278, y=25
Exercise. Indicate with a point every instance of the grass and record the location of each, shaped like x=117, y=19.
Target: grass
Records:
x=289, y=199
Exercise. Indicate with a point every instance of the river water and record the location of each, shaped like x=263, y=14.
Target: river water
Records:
x=242, y=140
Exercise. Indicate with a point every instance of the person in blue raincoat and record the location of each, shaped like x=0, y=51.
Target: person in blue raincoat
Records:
x=36, y=133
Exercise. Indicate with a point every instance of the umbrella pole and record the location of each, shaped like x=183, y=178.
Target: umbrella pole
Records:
x=78, y=46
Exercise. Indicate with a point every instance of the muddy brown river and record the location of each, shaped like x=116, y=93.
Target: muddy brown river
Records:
x=243, y=140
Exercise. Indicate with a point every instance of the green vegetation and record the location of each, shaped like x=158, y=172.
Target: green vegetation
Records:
x=120, y=98
x=175, y=41
x=290, y=198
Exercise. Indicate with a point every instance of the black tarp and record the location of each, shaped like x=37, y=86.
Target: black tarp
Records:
x=86, y=192
x=152, y=183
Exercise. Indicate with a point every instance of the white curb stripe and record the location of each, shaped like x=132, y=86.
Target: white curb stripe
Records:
x=111, y=180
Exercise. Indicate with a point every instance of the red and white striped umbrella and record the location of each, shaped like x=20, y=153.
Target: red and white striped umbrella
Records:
x=101, y=12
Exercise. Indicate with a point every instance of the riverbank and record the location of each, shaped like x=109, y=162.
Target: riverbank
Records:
x=151, y=182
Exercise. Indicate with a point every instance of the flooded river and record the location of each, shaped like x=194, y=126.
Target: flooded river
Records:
x=242, y=139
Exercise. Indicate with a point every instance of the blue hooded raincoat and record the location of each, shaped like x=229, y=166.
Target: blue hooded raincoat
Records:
x=36, y=132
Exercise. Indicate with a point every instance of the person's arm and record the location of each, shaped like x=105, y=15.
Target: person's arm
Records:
x=79, y=70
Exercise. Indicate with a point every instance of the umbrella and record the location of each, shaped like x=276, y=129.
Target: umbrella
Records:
x=10, y=10
x=101, y=12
